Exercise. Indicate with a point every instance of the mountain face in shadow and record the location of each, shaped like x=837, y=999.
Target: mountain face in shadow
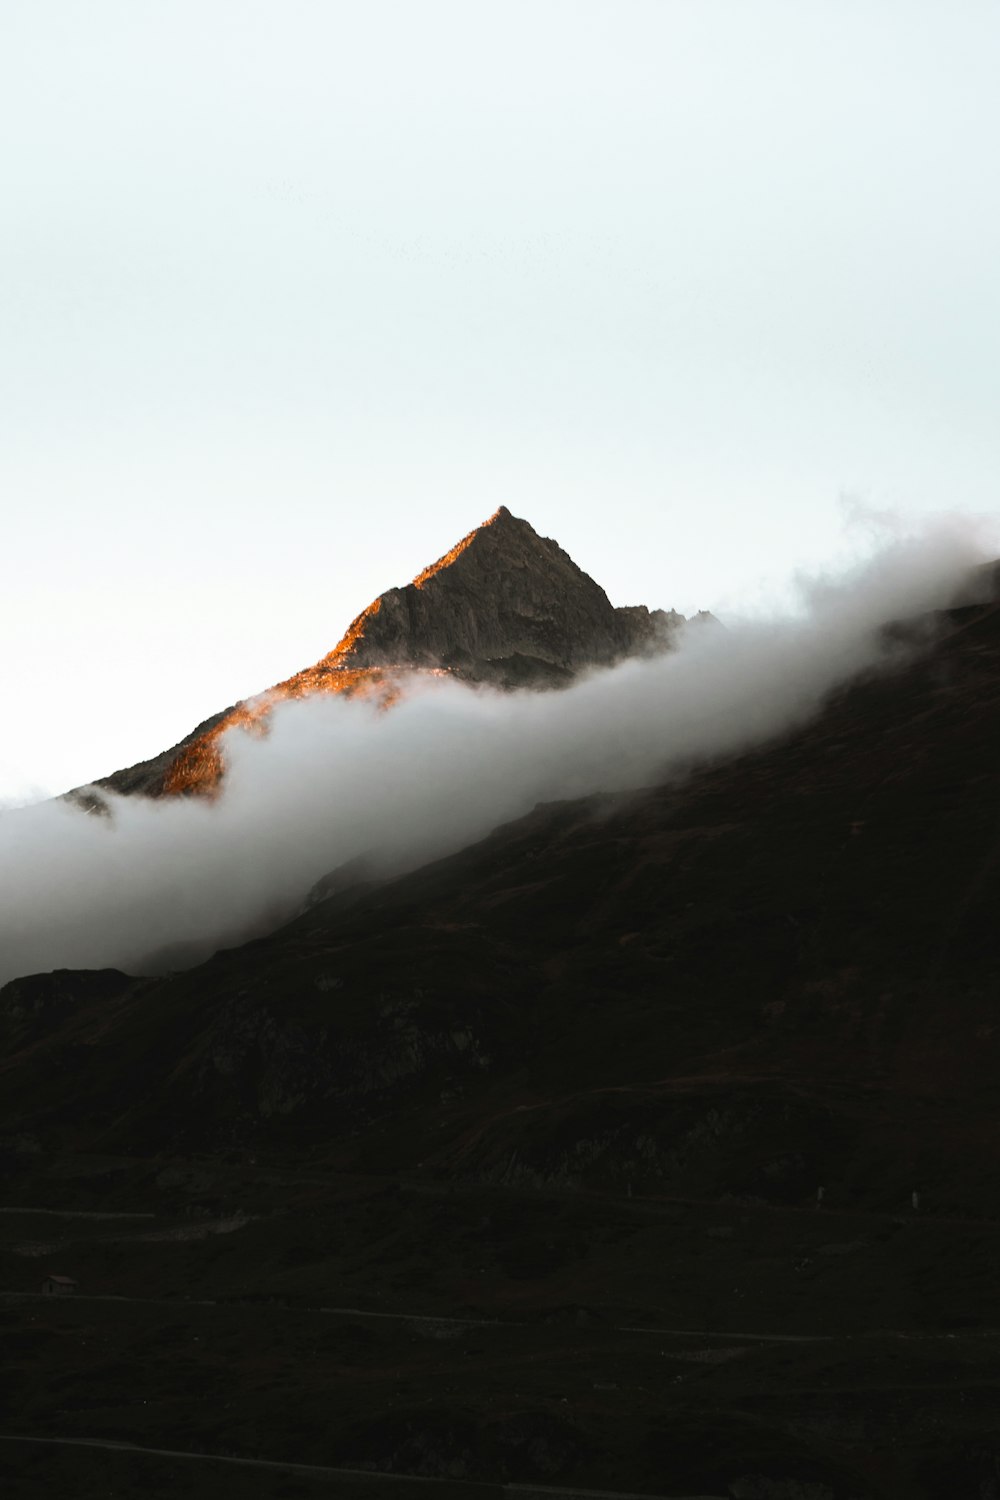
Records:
x=505, y=607
x=817, y=910
x=647, y=1147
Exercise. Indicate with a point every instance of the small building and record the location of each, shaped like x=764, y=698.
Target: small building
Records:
x=59, y=1286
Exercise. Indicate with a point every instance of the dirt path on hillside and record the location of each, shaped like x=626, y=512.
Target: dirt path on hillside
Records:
x=321, y=1471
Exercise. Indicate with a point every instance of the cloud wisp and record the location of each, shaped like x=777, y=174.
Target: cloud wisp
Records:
x=336, y=779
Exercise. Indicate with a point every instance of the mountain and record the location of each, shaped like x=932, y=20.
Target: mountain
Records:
x=505, y=607
x=647, y=1147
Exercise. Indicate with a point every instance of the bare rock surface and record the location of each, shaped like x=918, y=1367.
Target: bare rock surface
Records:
x=503, y=594
x=505, y=607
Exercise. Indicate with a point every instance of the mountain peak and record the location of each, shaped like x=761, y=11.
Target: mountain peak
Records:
x=504, y=606
x=496, y=522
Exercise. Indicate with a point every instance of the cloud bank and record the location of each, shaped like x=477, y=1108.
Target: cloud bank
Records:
x=335, y=779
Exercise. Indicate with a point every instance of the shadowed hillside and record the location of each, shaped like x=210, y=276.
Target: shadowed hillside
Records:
x=579, y=1086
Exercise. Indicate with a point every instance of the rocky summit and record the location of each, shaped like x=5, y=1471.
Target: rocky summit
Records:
x=505, y=607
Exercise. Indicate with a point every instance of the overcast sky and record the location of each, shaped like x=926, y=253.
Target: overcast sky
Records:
x=292, y=295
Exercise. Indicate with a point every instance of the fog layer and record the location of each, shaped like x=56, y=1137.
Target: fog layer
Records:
x=336, y=779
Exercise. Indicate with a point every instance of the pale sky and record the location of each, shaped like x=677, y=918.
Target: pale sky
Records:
x=292, y=295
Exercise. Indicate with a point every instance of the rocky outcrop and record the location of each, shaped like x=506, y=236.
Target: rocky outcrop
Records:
x=257, y=1065
x=39, y=1003
x=505, y=607
x=504, y=594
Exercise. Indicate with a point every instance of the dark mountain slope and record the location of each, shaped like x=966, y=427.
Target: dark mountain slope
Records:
x=810, y=926
x=578, y=1085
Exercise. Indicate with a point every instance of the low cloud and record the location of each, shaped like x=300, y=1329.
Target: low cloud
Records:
x=335, y=779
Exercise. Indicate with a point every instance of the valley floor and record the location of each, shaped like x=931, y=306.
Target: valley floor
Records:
x=550, y=1343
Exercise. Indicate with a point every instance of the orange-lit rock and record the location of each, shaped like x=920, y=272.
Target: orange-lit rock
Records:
x=505, y=607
